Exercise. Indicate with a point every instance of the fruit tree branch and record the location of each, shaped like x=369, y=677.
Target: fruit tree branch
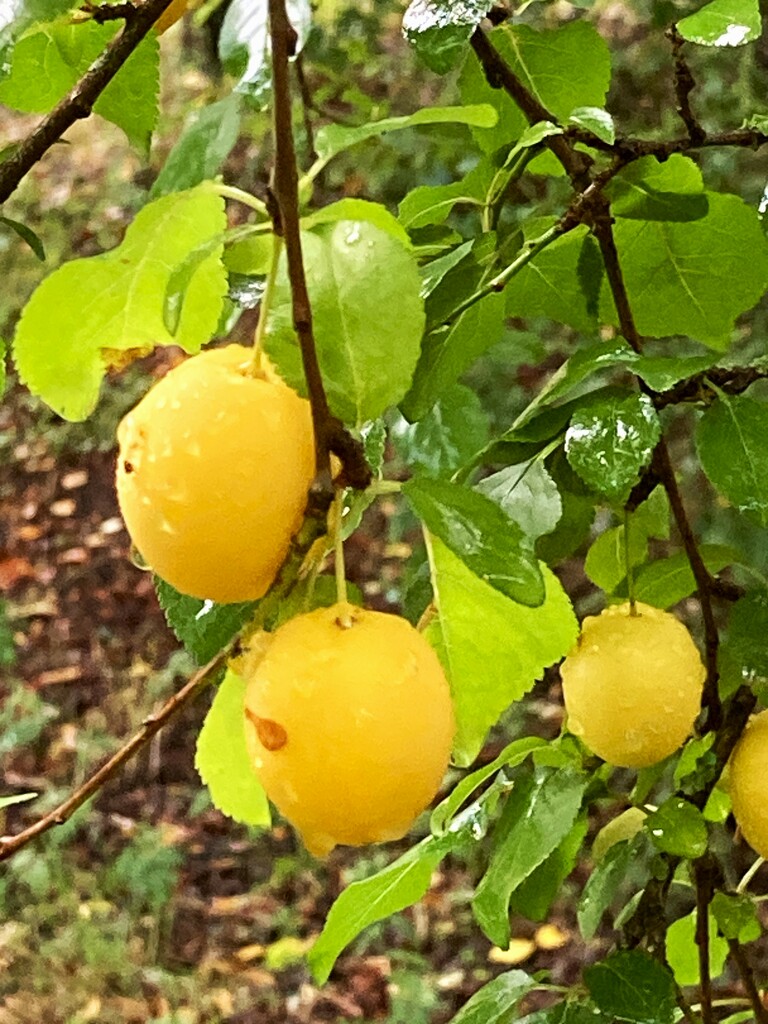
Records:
x=80, y=100
x=746, y=974
x=151, y=726
x=684, y=86
x=330, y=434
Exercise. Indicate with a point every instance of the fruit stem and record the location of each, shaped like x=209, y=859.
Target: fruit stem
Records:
x=337, y=513
x=241, y=196
x=266, y=302
x=628, y=566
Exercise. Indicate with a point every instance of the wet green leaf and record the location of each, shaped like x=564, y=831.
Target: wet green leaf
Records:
x=202, y=626
x=471, y=635
x=595, y=120
x=496, y=1000
x=528, y=495
x=624, y=860
x=633, y=986
x=439, y=30
x=481, y=534
x=723, y=23
x=534, y=897
x=731, y=444
x=610, y=439
x=678, y=828
x=448, y=436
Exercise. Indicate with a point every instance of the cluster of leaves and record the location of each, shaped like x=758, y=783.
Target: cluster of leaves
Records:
x=457, y=262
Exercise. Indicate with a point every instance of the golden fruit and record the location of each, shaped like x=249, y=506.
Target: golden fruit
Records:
x=749, y=768
x=213, y=473
x=170, y=15
x=349, y=724
x=632, y=685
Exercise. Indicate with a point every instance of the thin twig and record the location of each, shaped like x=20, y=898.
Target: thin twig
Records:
x=704, y=891
x=684, y=86
x=152, y=725
x=748, y=980
x=307, y=106
x=79, y=101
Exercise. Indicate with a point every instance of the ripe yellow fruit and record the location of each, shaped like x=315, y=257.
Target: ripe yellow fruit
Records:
x=213, y=473
x=749, y=768
x=170, y=15
x=349, y=724
x=632, y=685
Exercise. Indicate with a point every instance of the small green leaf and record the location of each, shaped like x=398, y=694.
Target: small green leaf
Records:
x=650, y=190
x=663, y=372
x=480, y=532
x=62, y=348
x=431, y=204
x=610, y=439
x=357, y=275
x=439, y=30
x=222, y=757
x=736, y=916
x=335, y=138
x=358, y=209
x=683, y=952
x=539, y=813
x=723, y=23
x=665, y=581
x=678, y=828
x=743, y=654
x=17, y=798
x=203, y=627
x=731, y=444
x=244, y=48
x=624, y=860
x=535, y=896
x=606, y=561
x=27, y=235
x=451, y=432
x=471, y=636
x=528, y=495
x=595, y=120
x=632, y=986
x=496, y=1000
x=204, y=145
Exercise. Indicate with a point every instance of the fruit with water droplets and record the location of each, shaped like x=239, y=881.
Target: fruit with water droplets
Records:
x=214, y=467
x=748, y=772
x=632, y=685
x=349, y=724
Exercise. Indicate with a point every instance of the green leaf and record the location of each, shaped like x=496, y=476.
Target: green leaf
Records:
x=244, y=48
x=625, y=859
x=595, y=120
x=723, y=23
x=610, y=439
x=439, y=30
x=550, y=284
x=535, y=896
x=496, y=1000
x=663, y=372
x=431, y=204
x=569, y=1012
x=62, y=348
x=736, y=916
x=27, y=235
x=448, y=284
x=335, y=138
x=539, y=813
x=606, y=561
x=730, y=440
x=528, y=495
x=362, y=903
x=202, y=626
x=692, y=278
x=683, y=952
x=481, y=534
x=448, y=351
x=359, y=209
x=357, y=275
x=447, y=437
x=486, y=672
x=17, y=798
x=222, y=759
x=743, y=654
x=50, y=59
x=678, y=828
x=650, y=190
x=2, y=369
x=511, y=756
x=633, y=986
x=204, y=145
x=564, y=68
x=665, y=581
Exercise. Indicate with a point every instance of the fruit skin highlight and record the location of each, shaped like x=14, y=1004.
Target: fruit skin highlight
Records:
x=213, y=473
x=748, y=771
x=349, y=728
x=632, y=685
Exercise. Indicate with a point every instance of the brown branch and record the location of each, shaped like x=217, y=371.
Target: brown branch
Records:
x=330, y=434
x=152, y=725
x=101, y=13
x=684, y=86
x=744, y=968
x=704, y=880
x=79, y=101
x=307, y=105
x=734, y=380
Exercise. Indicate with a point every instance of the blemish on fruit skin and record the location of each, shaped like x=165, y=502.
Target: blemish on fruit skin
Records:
x=271, y=734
